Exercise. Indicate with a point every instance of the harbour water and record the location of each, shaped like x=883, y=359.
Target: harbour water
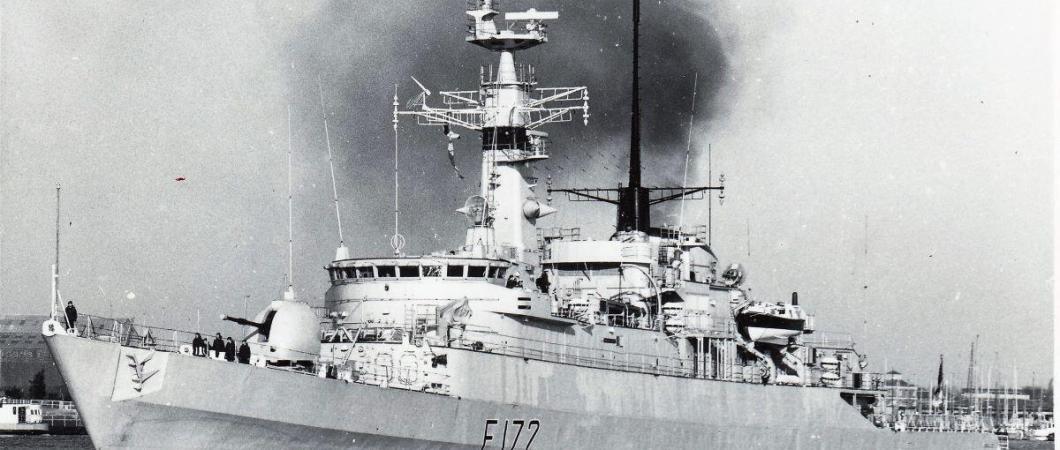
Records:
x=46, y=441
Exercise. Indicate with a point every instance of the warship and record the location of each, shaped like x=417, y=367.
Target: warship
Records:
x=521, y=337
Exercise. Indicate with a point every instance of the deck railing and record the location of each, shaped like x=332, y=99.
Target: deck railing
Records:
x=941, y=422
x=51, y=404
x=129, y=334
x=475, y=339
x=823, y=339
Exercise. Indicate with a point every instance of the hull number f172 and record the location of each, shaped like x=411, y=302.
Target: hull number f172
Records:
x=522, y=432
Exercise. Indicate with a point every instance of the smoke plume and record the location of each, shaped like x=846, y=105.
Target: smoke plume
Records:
x=362, y=50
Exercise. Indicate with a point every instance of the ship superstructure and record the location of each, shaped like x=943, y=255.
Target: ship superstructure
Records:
x=644, y=281
x=522, y=336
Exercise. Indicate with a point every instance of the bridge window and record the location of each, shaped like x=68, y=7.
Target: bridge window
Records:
x=349, y=272
x=572, y=270
x=409, y=271
x=432, y=271
x=454, y=271
x=365, y=272
x=476, y=271
x=386, y=271
x=494, y=271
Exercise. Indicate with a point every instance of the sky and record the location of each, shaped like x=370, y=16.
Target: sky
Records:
x=890, y=161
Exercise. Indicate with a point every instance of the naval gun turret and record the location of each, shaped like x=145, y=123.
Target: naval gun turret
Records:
x=285, y=333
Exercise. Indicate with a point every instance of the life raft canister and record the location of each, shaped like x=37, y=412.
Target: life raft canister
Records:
x=52, y=327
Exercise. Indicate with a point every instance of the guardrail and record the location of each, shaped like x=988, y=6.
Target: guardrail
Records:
x=941, y=422
x=53, y=404
x=128, y=334
x=824, y=339
x=483, y=340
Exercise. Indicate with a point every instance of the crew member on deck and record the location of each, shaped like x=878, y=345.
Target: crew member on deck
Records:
x=218, y=346
x=513, y=282
x=198, y=345
x=244, y=353
x=71, y=314
x=230, y=350
x=542, y=282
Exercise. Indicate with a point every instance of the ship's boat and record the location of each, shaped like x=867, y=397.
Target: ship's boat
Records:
x=1044, y=434
x=520, y=337
x=770, y=322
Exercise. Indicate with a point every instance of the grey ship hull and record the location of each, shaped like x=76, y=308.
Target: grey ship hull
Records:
x=189, y=402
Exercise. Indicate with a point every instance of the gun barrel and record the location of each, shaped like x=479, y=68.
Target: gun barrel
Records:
x=242, y=321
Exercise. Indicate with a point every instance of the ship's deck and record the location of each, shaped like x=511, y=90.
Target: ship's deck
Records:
x=473, y=339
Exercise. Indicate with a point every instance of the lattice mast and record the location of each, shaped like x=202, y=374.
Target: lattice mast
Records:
x=506, y=110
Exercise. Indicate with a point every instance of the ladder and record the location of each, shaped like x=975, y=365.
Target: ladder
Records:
x=410, y=321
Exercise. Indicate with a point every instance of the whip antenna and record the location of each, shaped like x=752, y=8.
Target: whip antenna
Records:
x=289, y=294
x=688, y=150
x=55, y=267
x=397, y=240
x=342, y=252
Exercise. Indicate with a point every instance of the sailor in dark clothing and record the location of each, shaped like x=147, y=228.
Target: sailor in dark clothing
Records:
x=218, y=346
x=198, y=345
x=230, y=350
x=71, y=315
x=243, y=355
x=513, y=282
x=542, y=282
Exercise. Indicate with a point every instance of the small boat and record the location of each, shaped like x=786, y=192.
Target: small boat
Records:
x=773, y=323
x=1043, y=434
x=21, y=418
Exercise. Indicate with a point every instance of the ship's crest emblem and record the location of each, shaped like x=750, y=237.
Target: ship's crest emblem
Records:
x=139, y=372
x=139, y=376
